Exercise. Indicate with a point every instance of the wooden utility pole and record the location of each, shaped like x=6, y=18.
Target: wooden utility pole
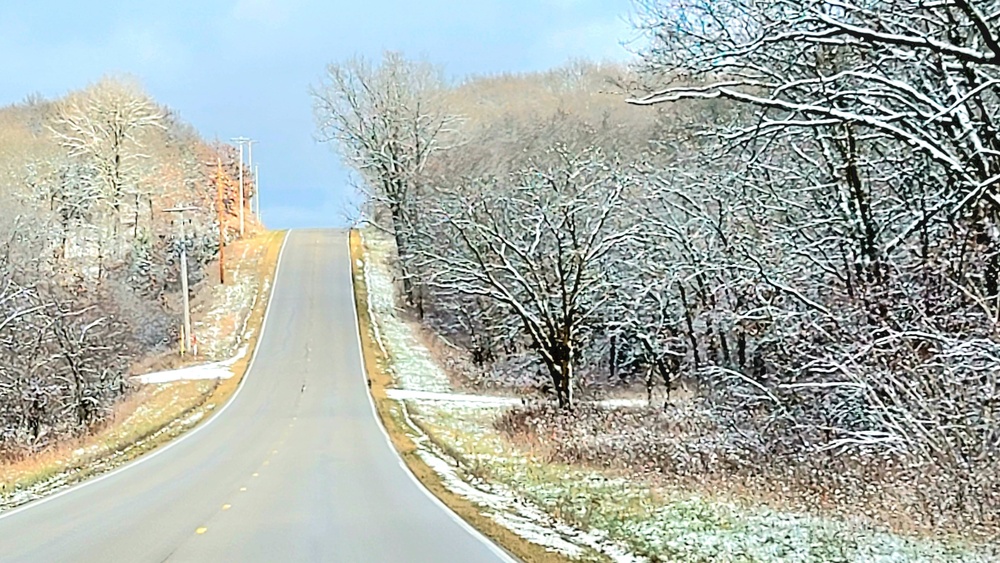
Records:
x=186, y=342
x=242, y=141
x=241, y=191
x=220, y=208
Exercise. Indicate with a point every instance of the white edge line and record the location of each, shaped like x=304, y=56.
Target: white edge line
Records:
x=496, y=549
x=163, y=449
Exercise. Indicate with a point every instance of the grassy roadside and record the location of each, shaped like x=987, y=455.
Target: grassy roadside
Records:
x=403, y=437
x=149, y=418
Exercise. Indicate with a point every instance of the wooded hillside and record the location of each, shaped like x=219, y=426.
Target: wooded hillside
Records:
x=89, y=277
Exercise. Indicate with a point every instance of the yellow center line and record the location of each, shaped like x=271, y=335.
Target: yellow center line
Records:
x=226, y=506
x=201, y=530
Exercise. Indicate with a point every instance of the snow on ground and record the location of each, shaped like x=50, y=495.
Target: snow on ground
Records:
x=619, y=518
x=492, y=400
x=407, y=352
x=670, y=525
x=214, y=370
x=501, y=504
x=472, y=400
x=222, y=331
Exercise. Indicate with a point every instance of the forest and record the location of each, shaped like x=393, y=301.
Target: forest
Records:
x=89, y=258
x=786, y=211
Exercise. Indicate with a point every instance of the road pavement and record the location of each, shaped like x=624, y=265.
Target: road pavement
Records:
x=295, y=468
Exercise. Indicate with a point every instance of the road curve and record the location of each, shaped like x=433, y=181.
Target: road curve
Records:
x=295, y=469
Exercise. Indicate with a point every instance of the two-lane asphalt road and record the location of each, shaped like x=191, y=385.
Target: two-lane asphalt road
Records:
x=296, y=468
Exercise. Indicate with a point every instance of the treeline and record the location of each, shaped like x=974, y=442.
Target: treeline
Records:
x=89, y=277
x=793, y=204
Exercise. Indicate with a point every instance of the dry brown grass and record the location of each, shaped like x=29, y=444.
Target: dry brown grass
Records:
x=147, y=418
x=379, y=379
x=685, y=449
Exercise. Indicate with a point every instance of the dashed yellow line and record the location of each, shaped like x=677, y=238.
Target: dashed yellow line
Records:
x=243, y=489
x=226, y=506
x=256, y=475
x=201, y=530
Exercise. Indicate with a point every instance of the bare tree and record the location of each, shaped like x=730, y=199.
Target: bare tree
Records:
x=539, y=242
x=386, y=122
x=106, y=124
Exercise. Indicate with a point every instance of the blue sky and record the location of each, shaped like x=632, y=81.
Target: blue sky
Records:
x=244, y=67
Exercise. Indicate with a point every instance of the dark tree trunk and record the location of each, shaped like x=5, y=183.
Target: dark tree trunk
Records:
x=689, y=322
x=614, y=357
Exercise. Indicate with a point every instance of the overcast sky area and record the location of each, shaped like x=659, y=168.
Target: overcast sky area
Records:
x=244, y=67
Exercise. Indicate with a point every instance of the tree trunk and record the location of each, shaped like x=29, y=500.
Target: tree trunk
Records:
x=614, y=357
x=689, y=322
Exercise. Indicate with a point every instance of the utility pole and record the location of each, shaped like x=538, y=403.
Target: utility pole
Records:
x=220, y=208
x=241, y=141
x=186, y=340
x=256, y=187
x=250, y=169
x=241, y=191
x=250, y=143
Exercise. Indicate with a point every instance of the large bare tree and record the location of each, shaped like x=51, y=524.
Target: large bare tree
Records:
x=106, y=124
x=386, y=121
x=540, y=242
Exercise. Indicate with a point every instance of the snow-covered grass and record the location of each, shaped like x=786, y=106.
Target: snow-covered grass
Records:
x=670, y=525
x=222, y=330
x=413, y=364
x=588, y=514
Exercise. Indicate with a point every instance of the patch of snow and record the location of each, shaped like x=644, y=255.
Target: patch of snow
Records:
x=194, y=418
x=623, y=403
x=214, y=370
x=465, y=399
